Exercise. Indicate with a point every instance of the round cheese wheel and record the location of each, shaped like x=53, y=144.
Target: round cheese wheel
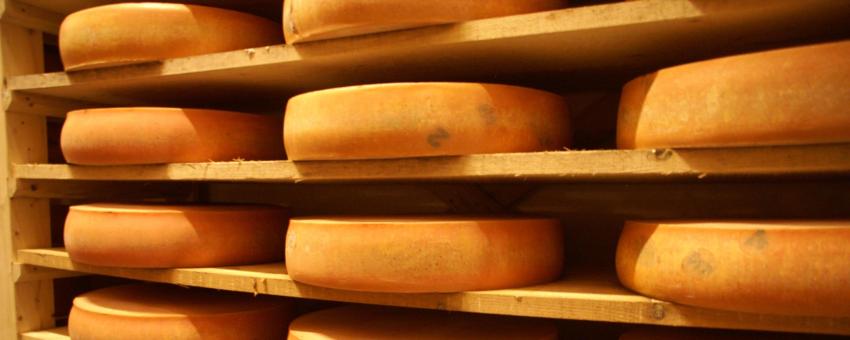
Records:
x=792, y=268
x=152, y=135
x=141, y=32
x=378, y=323
x=306, y=20
x=418, y=255
x=423, y=119
x=159, y=312
x=148, y=236
x=788, y=96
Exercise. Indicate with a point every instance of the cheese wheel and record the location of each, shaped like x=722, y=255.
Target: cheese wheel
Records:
x=141, y=32
x=789, y=96
x=149, y=236
x=772, y=267
x=159, y=312
x=152, y=135
x=423, y=119
x=418, y=255
x=307, y=20
x=379, y=323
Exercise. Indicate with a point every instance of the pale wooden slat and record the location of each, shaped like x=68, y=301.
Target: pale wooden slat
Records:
x=590, y=296
x=572, y=47
x=599, y=165
x=50, y=334
x=25, y=15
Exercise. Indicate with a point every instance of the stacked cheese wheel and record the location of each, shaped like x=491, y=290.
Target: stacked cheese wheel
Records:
x=789, y=96
x=141, y=32
x=306, y=20
x=423, y=119
x=773, y=267
x=366, y=322
x=407, y=255
x=149, y=236
x=150, y=312
x=151, y=135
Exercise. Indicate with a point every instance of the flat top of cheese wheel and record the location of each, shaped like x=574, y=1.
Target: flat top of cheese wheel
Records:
x=155, y=6
x=750, y=224
x=371, y=322
x=152, y=109
x=160, y=301
x=416, y=85
x=164, y=209
x=413, y=219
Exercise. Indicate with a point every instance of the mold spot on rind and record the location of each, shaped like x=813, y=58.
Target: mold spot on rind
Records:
x=436, y=138
x=698, y=262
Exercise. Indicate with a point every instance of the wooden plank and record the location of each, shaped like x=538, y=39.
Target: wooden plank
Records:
x=266, y=8
x=50, y=334
x=595, y=165
x=47, y=106
x=25, y=15
x=29, y=273
x=107, y=191
x=587, y=296
x=812, y=199
x=568, y=48
x=24, y=223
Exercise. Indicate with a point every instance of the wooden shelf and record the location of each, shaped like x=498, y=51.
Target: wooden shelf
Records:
x=573, y=48
x=588, y=296
x=50, y=334
x=618, y=165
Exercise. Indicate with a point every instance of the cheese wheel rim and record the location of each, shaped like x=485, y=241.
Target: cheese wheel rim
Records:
x=770, y=267
x=310, y=20
x=372, y=322
x=398, y=120
x=787, y=96
x=144, y=236
x=125, y=33
x=435, y=255
x=147, y=311
x=157, y=135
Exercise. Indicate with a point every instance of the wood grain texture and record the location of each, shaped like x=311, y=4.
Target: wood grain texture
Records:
x=581, y=47
x=24, y=223
x=49, y=334
x=586, y=296
x=596, y=165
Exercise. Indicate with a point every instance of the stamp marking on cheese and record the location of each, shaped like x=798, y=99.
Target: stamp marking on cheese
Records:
x=435, y=138
x=698, y=262
x=757, y=240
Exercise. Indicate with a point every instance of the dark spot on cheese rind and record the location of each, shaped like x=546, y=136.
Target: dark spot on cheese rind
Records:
x=698, y=262
x=436, y=138
x=487, y=114
x=757, y=240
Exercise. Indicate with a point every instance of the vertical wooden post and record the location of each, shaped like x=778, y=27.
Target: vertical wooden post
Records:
x=24, y=223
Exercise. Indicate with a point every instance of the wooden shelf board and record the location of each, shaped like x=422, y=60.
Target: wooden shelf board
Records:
x=267, y=8
x=569, y=48
x=589, y=296
x=49, y=334
x=601, y=165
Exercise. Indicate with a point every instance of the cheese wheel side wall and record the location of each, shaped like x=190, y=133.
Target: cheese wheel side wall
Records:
x=168, y=135
x=306, y=20
x=265, y=324
x=139, y=32
x=173, y=240
x=789, y=96
x=442, y=256
x=750, y=267
x=423, y=119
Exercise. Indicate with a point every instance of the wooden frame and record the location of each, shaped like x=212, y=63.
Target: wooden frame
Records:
x=617, y=40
